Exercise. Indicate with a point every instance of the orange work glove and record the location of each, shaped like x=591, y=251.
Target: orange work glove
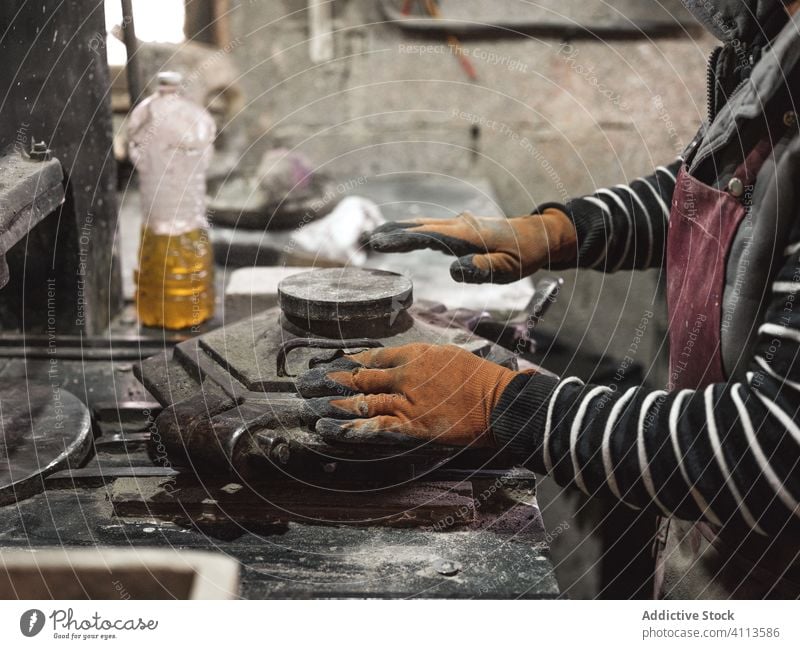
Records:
x=496, y=250
x=417, y=392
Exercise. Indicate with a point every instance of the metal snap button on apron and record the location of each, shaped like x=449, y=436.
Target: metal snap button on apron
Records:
x=790, y=118
x=735, y=187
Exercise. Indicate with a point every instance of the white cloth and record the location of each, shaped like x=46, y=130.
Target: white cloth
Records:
x=336, y=237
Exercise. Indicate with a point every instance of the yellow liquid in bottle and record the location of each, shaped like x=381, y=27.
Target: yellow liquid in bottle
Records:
x=175, y=280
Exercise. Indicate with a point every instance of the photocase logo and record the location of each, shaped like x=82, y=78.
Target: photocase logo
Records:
x=31, y=622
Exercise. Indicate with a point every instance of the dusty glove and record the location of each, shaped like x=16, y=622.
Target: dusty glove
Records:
x=497, y=250
x=417, y=392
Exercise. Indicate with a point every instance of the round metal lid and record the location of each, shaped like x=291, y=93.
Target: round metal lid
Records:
x=343, y=294
x=43, y=428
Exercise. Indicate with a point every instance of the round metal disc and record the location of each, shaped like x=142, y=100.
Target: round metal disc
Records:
x=43, y=429
x=337, y=294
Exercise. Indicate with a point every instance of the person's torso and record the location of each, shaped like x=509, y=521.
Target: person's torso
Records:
x=759, y=113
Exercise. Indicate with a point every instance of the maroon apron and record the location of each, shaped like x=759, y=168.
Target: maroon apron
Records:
x=696, y=559
x=702, y=225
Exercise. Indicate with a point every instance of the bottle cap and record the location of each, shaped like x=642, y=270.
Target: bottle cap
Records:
x=169, y=78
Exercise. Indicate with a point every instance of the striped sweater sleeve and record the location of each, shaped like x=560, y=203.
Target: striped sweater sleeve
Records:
x=728, y=453
x=625, y=226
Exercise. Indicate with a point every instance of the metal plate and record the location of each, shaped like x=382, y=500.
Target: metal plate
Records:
x=43, y=429
x=336, y=294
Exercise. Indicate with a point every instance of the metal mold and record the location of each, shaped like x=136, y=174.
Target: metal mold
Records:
x=229, y=400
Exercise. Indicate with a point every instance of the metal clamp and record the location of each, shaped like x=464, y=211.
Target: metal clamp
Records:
x=318, y=343
x=516, y=333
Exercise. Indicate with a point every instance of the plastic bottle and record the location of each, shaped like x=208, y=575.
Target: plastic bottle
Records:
x=170, y=143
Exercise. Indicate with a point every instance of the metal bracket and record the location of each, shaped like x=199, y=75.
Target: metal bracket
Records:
x=29, y=190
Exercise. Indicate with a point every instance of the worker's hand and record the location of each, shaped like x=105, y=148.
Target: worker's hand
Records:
x=417, y=392
x=497, y=250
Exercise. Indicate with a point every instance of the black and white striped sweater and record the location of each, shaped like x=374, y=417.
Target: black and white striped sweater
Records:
x=727, y=454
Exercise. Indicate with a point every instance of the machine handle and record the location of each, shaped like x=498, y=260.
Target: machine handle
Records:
x=319, y=343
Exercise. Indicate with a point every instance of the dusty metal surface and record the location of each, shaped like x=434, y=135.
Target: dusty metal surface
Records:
x=248, y=349
x=483, y=539
x=43, y=429
x=94, y=573
x=496, y=540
